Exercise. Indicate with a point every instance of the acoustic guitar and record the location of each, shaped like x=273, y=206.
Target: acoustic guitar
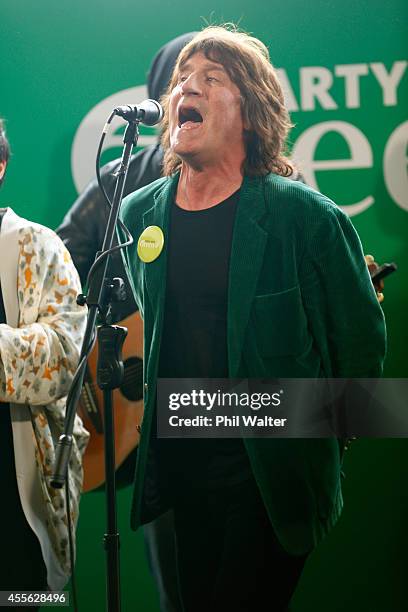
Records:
x=127, y=406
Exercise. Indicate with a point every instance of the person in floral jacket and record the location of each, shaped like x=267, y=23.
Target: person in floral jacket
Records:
x=41, y=331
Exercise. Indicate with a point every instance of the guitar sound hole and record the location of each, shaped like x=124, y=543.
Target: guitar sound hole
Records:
x=132, y=386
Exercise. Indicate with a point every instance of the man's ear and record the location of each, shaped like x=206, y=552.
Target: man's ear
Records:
x=245, y=121
x=3, y=165
x=246, y=124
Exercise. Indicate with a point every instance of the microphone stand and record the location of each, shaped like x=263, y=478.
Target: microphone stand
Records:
x=101, y=294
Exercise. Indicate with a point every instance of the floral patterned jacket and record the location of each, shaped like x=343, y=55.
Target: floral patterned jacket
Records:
x=39, y=351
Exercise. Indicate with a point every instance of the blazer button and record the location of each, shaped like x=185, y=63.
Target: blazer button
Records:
x=146, y=386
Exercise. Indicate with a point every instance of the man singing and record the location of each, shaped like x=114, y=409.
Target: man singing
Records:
x=253, y=275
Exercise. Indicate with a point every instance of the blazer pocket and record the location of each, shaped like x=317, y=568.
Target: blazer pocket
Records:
x=280, y=323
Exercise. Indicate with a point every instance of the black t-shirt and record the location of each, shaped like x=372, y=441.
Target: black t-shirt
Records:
x=194, y=339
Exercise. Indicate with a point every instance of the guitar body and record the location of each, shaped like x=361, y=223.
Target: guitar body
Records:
x=127, y=406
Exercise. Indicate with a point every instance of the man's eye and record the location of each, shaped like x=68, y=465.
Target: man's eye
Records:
x=210, y=78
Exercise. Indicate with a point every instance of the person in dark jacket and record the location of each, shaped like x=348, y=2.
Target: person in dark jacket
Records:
x=241, y=273
x=82, y=230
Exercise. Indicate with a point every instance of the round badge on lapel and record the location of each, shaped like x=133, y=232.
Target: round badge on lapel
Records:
x=150, y=243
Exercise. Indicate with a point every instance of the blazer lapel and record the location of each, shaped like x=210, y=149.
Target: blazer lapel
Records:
x=155, y=272
x=248, y=245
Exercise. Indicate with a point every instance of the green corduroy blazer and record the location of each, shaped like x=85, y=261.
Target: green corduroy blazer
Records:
x=300, y=304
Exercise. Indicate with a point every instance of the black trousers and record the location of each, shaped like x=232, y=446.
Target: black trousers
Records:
x=229, y=558
x=21, y=563
x=161, y=556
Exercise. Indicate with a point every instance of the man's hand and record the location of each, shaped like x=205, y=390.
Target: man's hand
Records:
x=379, y=285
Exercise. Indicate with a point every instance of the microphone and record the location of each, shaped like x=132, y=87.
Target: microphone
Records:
x=148, y=112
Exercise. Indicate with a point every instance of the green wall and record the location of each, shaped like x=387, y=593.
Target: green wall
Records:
x=343, y=61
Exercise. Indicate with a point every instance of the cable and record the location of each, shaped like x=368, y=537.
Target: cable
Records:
x=98, y=158
x=67, y=496
x=74, y=383
x=108, y=202
x=71, y=545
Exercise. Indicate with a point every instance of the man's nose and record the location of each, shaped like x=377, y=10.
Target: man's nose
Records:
x=191, y=85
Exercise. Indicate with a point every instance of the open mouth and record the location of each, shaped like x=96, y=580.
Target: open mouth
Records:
x=189, y=115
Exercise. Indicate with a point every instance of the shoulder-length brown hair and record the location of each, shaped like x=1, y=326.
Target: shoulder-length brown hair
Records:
x=246, y=60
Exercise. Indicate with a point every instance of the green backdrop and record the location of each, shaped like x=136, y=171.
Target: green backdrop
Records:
x=343, y=64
